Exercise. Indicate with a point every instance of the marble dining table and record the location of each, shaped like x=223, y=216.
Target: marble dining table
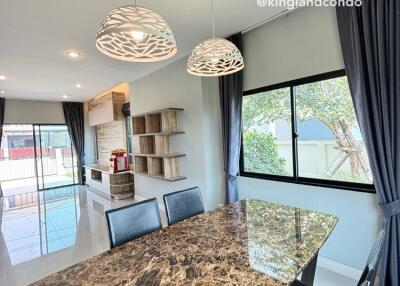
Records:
x=250, y=242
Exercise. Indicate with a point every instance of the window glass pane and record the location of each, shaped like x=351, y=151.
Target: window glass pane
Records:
x=267, y=143
x=330, y=145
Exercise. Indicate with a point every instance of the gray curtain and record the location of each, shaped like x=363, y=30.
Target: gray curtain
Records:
x=73, y=113
x=231, y=93
x=2, y=107
x=370, y=39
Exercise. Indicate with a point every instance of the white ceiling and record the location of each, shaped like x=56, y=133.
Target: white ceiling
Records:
x=35, y=35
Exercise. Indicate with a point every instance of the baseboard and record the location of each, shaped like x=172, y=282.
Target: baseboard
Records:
x=339, y=268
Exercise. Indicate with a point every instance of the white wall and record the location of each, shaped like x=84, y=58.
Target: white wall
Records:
x=302, y=44
x=33, y=112
x=172, y=86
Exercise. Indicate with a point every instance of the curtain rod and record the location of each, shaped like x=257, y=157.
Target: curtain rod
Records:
x=284, y=12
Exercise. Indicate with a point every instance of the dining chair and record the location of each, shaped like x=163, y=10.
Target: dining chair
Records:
x=133, y=221
x=183, y=204
x=369, y=274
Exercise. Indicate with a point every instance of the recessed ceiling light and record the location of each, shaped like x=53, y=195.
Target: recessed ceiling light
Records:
x=78, y=85
x=2, y=92
x=74, y=54
x=65, y=96
x=2, y=77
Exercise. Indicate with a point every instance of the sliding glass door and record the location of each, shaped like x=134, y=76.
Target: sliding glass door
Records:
x=36, y=157
x=55, y=159
x=17, y=160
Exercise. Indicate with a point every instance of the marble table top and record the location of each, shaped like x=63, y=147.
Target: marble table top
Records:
x=248, y=242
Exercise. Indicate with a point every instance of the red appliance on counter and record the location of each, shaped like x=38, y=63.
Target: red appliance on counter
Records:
x=119, y=161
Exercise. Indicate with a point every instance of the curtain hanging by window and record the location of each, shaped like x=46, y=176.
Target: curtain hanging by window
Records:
x=2, y=109
x=231, y=96
x=370, y=37
x=73, y=113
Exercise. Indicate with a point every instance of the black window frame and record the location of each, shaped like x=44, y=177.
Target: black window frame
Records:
x=295, y=178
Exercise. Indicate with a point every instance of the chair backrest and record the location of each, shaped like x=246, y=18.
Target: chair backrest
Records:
x=370, y=270
x=183, y=204
x=133, y=221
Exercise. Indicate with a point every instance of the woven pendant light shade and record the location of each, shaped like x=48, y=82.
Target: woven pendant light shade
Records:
x=215, y=57
x=137, y=34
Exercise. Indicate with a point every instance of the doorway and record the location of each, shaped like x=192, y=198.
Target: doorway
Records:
x=36, y=157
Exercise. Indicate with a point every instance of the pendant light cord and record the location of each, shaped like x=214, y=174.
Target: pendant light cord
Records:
x=213, y=18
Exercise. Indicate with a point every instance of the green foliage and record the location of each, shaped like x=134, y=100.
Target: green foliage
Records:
x=328, y=101
x=261, y=154
x=266, y=107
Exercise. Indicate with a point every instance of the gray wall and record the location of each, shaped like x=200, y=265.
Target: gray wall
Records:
x=38, y=112
x=172, y=86
x=90, y=139
x=302, y=44
x=214, y=163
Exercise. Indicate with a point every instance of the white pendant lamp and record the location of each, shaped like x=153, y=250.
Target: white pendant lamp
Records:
x=215, y=57
x=136, y=34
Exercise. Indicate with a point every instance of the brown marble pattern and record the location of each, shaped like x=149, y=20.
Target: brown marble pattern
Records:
x=251, y=242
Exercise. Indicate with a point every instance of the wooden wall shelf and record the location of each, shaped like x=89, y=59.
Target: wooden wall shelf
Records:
x=161, y=134
x=153, y=145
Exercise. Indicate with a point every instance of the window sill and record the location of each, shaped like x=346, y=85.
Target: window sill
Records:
x=346, y=186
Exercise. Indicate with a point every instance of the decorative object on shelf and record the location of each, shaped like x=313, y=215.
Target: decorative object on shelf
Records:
x=137, y=34
x=119, y=161
x=215, y=57
x=152, y=144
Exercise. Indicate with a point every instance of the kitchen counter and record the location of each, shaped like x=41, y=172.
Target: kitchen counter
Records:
x=250, y=242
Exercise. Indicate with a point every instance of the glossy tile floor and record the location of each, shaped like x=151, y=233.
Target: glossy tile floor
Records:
x=44, y=232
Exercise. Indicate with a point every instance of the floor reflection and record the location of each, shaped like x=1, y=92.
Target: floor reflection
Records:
x=36, y=224
x=44, y=232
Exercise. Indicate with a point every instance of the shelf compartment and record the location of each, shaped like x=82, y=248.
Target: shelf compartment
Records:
x=161, y=144
x=141, y=165
x=96, y=175
x=153, y=123
x=122, y=179
x=171, y=167
x=168, y=121
x=146, y=145
x=139, y=125
x=155, y=166
x=117, y=189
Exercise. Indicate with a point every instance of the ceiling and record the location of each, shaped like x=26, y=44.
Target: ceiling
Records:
x=36, y=35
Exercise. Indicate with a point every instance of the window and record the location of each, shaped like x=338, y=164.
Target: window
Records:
x=263, y=153
x=305, y=131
